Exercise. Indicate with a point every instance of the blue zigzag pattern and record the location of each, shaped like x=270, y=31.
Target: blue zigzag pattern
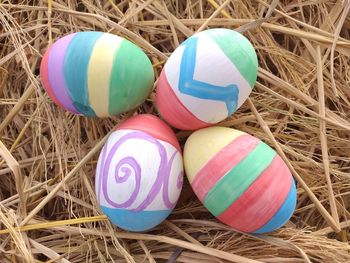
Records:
x=199, y=89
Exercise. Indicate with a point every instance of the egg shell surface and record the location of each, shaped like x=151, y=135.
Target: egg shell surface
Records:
x=206, y=79
x=139, y=173
x=239, y=179
x=96, y=74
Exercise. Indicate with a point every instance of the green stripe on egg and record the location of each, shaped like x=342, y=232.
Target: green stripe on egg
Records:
x=236, y=181
x=131, y=78
x=225, y=39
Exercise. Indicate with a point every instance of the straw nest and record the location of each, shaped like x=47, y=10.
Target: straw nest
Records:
x=300, y=106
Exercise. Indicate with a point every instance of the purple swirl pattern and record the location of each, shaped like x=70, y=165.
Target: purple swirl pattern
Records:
x=128, y=166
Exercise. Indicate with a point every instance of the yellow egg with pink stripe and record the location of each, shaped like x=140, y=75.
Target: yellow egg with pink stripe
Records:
x=241, y=180
x=96, y=74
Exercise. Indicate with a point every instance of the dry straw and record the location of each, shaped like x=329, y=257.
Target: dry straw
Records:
x=300, y=106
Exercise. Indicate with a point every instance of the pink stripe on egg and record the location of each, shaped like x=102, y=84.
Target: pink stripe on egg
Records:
x=223, y=161
x=56, y=71
x=259, y=203
x=153, y=126
x=173, y=111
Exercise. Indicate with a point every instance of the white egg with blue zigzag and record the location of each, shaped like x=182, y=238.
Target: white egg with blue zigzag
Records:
x=206, y=79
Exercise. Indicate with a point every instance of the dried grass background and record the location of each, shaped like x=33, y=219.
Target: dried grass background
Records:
x=300, y=106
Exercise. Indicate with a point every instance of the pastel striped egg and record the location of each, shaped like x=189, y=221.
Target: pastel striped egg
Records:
x=139, y=173
x=206, y=79
x=239, y=179
x=96, y=74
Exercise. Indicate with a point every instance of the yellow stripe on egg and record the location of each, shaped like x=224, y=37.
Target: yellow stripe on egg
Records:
x=196, y=158
x=100, y=67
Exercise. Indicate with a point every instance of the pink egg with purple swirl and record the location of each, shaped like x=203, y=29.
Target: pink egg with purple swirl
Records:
x=139, y=173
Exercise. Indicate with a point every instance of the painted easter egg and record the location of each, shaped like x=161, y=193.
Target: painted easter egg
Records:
x=139, y=173
x=96, y=74
x=206, y=79
x=239, y=179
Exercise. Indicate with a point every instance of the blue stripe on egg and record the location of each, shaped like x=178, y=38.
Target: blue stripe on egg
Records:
x=188, y=85
x=79, y=50
x=135, y=221
x=283, y=214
